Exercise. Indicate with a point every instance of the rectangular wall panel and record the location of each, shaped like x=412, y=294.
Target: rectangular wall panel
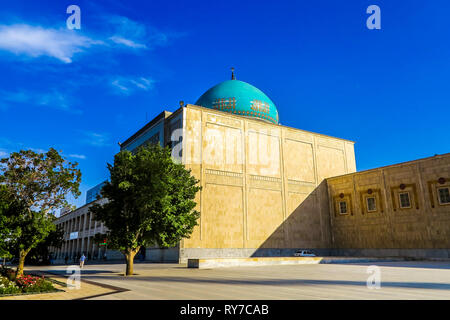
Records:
x=265, y=217
x=222, y=217
x=330, y=162
x=299, y=160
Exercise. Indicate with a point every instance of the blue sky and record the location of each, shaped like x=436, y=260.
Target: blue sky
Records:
x=83, y=91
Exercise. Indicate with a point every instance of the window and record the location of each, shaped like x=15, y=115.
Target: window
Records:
x=371, y=204
x=405, y=202
x=154, y=139
x=444, y=195
x=342, y=207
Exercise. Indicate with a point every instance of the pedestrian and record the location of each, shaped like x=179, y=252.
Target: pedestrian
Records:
x=82, y=258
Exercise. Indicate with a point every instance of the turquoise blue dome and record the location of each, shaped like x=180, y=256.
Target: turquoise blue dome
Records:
x=241, y=98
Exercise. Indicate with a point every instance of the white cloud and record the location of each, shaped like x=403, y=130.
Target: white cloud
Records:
x=125, y=26
x=38, y=150
x=143, y=83
x=63, y=44
x=137, y=35
x=128, y=85
x=127, y=42
x=96, y=139
x=77, y=156
x=35, y=41
x=128, y=33
x=15, y=96
x=117, y=84
x=4, y=153
x=16, y=146
x=53, y=99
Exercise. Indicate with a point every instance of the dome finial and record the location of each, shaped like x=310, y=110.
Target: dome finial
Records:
x=232, y=74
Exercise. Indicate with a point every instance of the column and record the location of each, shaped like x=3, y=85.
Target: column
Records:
x=81, y=232
x=70, y=253
x=88, y=231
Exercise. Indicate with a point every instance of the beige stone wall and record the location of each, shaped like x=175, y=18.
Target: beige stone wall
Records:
x=426, y=225
x=262, y=183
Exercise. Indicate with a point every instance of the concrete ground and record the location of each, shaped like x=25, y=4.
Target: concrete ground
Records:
x=399, y=280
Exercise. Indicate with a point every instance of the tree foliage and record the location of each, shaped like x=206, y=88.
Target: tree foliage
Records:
x=27, y=231
x=40, y=254
x=150, y=200
x=34, y=185
x=40, y=180
x=7, y=208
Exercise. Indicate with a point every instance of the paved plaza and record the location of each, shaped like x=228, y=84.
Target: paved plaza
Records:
x=399, y=280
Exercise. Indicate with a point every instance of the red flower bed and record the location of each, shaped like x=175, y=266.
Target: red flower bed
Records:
x=29, y=283
x=26, y=281
x=24, y=284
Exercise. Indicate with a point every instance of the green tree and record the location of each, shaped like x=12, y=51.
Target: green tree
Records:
x=150, y=200
x=99, y=238
x=54, y=239
x=7, y=205
x=38, y=183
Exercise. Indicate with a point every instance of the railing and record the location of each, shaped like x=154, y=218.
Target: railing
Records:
x=86, y=233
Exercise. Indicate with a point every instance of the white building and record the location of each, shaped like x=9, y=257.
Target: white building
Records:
x=79, y=231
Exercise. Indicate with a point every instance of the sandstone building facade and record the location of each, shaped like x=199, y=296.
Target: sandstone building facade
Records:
x=261, y=184
x=398, y=210
x=268, y=189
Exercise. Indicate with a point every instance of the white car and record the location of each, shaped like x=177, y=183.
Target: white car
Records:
x=304, y=253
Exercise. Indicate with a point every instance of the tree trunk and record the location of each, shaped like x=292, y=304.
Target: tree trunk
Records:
x=22, y=255
x=129, y=255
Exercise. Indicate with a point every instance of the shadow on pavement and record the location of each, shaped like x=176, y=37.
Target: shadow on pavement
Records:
x=420, y=265
x=281, y=282
x=83, y=271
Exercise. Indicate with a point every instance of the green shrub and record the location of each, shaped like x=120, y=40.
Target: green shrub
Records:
x=8, y=273
x=8, y=287
x=30, y=283
x=24, y=284
x=40, y=286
